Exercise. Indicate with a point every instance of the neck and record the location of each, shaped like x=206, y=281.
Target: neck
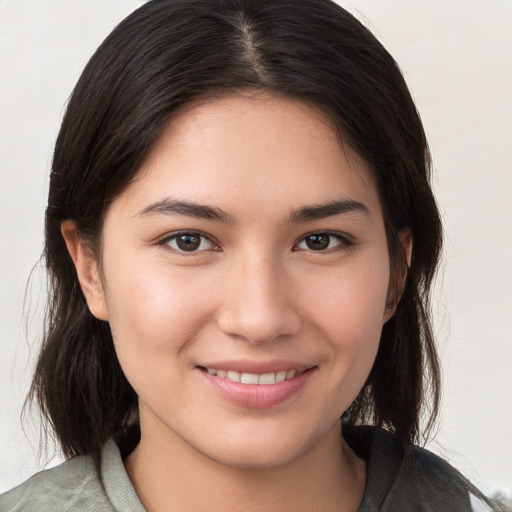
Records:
x=172, y=475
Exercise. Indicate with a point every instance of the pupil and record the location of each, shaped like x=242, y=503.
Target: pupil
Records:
x=317, y=242
x=188, y=242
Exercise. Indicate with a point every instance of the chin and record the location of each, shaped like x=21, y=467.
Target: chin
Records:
x=257, y=456
x=267, y=446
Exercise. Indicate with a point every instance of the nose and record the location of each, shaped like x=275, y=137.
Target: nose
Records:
x=259, y=304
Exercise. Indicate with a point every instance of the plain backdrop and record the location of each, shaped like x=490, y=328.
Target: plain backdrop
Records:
x=457, y=58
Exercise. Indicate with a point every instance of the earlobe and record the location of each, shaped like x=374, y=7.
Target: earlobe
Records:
x=86, y=269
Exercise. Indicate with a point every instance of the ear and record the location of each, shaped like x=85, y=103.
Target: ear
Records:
x=405, y=238
x=86, y=269
x=396, y=288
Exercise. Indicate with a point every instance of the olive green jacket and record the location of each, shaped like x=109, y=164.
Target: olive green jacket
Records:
x=400, y=477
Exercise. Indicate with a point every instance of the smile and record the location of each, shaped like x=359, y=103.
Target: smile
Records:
x=253, y=390
x=253, y=378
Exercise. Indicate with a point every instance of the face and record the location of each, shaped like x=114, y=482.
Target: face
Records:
x=244, y=274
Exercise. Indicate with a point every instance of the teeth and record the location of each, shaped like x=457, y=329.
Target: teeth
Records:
x=253, y=378
x=267, y=378
x=234, y=376
x=249, y=378
x=281, y=376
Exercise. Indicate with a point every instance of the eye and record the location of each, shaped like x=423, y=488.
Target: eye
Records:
x=322, y=242
x=189, y=241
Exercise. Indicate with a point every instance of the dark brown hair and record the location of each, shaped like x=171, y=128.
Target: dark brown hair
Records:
x=160, y=58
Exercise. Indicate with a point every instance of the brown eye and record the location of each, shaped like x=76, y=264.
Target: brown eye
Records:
x=317, y=242
x=189, y=242
x=323, y=242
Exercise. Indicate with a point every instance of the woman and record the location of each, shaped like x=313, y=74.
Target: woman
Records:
x=241, y=238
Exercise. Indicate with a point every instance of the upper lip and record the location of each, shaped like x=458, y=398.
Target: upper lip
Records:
x=259, y=367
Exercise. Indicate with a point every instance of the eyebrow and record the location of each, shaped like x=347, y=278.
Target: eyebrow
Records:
x=329, y=209
x=189, y=209
x=303, y=214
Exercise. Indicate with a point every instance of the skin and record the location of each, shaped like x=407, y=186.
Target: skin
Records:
x=254, y=291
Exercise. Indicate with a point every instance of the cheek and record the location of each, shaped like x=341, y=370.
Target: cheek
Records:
x=349, y=311
x=153, y=312
x=351, y=302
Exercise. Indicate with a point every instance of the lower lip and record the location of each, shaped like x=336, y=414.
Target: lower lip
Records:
x=257, y=396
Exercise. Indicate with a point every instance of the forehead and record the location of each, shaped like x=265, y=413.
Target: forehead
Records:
x=270, y=153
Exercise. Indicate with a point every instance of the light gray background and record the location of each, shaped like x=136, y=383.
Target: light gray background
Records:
x=457, y=58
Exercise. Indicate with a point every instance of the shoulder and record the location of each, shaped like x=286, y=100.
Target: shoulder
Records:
x=401, y=476
x=433, y=480
x=73, y=485
x=78, y=485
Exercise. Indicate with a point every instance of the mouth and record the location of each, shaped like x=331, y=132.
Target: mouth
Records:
x=254, y=378
x=257, y=390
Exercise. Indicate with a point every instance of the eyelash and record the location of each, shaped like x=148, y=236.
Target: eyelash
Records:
x=164, y=242
x=344, y=242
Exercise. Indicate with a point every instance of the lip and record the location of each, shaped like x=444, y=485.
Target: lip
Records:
x=257, y=396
